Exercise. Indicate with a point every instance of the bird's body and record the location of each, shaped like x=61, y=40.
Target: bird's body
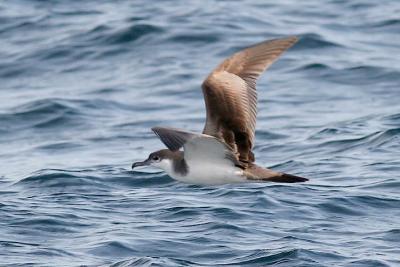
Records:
x=207, y=174
x=223, y=152
x=212, y=174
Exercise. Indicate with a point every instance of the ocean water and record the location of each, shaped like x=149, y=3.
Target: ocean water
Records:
x=82, y=83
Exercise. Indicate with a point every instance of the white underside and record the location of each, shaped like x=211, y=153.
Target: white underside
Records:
x=205, y=174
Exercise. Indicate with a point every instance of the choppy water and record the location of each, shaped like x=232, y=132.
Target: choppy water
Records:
x=81, y=83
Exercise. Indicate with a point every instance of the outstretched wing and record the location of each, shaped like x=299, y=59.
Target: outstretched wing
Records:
x=197, y=147
x=231, y=97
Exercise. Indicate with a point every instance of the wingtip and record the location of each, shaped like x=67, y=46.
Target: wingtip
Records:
x=294, y=39
x=173, y=138
x=155, y=128
x=291, y=40
x=162, y=129
x=285, y=41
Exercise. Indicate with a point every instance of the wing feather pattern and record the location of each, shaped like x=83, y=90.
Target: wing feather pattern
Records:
x=231, y=97
x=173, y=138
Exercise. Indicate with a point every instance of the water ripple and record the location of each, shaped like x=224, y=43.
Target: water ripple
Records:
x=106, y=36
x=83, y=82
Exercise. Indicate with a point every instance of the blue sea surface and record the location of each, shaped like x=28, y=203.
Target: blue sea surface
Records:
x=82, y=83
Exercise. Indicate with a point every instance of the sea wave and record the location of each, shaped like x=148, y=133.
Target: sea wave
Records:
x=82, y=83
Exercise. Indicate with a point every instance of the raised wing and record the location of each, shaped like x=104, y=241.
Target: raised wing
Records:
x=173, y=138
x=231, y=97
x=197, y=147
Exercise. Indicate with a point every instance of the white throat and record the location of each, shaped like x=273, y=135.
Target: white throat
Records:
x=165, y=165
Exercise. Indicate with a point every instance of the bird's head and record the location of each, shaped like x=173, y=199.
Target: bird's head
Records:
x=160, y=159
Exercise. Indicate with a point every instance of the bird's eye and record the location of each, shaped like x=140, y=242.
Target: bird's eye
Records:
x=155, y=158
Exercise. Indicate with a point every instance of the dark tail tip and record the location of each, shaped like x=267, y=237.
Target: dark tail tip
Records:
x=288, y=178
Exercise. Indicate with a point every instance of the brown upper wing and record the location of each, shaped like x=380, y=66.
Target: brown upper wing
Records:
x=231, y=97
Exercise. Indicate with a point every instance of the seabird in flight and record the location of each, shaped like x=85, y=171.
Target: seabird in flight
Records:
x=223, y=152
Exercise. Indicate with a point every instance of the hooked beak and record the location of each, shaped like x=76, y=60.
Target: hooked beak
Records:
x=140, y=163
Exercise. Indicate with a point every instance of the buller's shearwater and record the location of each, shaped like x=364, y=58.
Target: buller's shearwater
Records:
x=223, y=152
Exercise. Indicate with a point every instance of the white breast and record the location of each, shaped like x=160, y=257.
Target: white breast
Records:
x=210, y=174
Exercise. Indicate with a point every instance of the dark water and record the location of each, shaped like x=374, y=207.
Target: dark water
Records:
x=82, y=82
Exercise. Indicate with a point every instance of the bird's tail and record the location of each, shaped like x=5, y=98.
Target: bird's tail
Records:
x=286, y=178
x=258, y=174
